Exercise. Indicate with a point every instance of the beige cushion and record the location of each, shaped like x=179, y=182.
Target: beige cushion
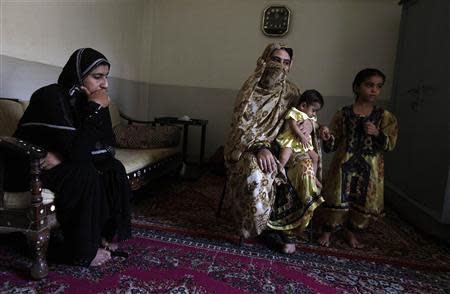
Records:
x=144, y=137
x=25, y=104
x=135, y=159
x=10, y=114
x=23, y=199
x=132, y=159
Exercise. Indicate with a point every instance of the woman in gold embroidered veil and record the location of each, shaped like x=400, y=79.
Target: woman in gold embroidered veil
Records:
x=258, y=189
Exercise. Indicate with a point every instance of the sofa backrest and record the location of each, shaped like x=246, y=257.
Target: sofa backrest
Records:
x=10, y=113
x=11, y=110
x=115, y=115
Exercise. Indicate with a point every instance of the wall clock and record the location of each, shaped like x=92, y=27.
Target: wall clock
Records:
x=275, y=21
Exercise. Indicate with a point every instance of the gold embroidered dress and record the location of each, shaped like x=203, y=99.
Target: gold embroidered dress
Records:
x=289, y=140
x=354, y=186
x=257, y=118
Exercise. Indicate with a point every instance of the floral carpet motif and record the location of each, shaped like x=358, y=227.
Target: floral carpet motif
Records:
x=168, y=262
x=191, y=207
x=179, y=246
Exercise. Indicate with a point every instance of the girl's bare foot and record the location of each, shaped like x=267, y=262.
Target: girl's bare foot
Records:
x=101, y=257
x=288, y=248
x=324, y=239
x=352, y=241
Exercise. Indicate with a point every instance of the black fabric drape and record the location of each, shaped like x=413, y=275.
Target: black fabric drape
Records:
x=91, y=186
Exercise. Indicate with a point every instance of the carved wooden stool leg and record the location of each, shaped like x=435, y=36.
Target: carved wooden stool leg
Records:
x=38, y=242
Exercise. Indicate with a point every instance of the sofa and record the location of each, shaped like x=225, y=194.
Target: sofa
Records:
x=33, y=212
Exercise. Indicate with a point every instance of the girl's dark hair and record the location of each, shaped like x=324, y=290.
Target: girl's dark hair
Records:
x=311, y=96
x=364, y=75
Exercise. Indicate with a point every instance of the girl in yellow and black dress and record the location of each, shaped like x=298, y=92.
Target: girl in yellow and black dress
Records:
x=360, y=134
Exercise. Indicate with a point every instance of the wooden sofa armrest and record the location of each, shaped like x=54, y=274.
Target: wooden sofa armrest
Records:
x=131, y=120
x=35, y=154
x=11, y=143
x=33, y=220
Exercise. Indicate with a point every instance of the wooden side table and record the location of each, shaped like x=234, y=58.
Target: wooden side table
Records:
x=186, y=123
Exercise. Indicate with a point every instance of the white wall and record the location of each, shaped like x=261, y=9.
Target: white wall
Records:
x=203, y=49
x=205, y=43
x=176, y=57
x=215, y=43
x=37, y=37
x=48, y=31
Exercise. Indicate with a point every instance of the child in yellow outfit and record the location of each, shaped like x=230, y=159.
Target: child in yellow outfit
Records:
x=301, y=125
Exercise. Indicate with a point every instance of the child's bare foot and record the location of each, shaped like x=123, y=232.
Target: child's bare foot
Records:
x=101, y=257
x=352, y=241
x=109, y=245
x=288, y=248
x=324, y=239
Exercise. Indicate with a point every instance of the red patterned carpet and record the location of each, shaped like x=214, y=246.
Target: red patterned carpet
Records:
x=179, y=246
x=191, y=207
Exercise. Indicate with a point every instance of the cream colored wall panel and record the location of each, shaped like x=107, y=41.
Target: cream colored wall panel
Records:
x=215, y=43
x=49, y=31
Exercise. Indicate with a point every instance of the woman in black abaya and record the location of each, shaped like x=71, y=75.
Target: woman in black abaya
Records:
x=71, y=120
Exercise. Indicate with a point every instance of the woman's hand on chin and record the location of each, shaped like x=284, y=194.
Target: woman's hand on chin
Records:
x=99, y=96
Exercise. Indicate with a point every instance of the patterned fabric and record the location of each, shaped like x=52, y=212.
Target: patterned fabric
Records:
x=393, y=242
x=176, y=261
x=257, y=119
x=354, y=187
x=289, y=140
x=144, y=137
x=258, y=112
x=295, y=212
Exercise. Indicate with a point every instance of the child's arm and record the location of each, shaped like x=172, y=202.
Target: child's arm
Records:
x=336, y=128
x=296, y=130
x=324, y=133
x=386, y=138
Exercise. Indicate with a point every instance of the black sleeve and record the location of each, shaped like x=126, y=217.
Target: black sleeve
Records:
x=52, y=122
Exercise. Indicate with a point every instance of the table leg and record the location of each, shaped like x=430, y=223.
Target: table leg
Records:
x=185, y=138
x=202, y=145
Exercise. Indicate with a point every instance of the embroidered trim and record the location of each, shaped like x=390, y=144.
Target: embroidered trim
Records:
x=93, y=65
x=78, y=64
x=48, y=126
x=101, y=151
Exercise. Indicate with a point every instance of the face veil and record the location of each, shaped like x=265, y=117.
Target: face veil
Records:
x=258, y=113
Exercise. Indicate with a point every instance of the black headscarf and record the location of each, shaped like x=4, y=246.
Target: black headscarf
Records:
x=61, y=119
x=80, y=63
